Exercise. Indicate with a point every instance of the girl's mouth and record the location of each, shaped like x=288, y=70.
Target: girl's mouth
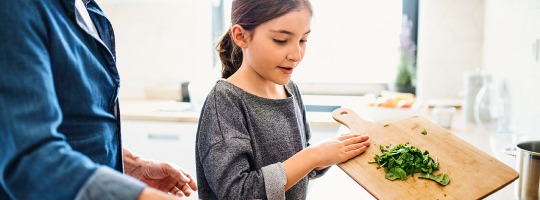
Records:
x=286, y=70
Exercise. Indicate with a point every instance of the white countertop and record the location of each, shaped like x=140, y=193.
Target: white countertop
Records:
x=170, y=110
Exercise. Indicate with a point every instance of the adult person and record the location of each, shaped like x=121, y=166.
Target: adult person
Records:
x=59, y=117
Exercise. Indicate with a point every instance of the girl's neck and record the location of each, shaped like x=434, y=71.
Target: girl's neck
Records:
x=253, y=83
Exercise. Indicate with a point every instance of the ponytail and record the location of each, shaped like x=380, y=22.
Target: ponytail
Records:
x=230, y=55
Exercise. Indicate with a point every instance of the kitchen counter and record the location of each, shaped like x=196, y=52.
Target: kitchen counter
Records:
x=174, y=111
x=158, y=110
x=336, y=184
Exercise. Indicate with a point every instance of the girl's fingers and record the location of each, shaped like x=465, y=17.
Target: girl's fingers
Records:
x=344, y=136
x=355, y=146
x=353, y=153
x=355, y=139
x=359, y=151
x=348, y=136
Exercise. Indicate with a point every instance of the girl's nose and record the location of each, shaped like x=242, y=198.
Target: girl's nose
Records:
x=295, y=55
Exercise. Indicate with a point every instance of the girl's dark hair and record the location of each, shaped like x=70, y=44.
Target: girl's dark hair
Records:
x=249, y=14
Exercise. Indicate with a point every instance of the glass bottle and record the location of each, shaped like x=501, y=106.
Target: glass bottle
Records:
x=492, y=109
x=503, y=108
x=485, y=108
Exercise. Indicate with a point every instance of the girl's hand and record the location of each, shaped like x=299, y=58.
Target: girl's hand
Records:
x=340, y=149
x=322, y=155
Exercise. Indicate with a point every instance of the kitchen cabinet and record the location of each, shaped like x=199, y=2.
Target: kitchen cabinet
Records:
x=175, y=141
x=172, y=142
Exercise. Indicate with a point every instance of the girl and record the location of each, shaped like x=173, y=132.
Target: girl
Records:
x=252, y=140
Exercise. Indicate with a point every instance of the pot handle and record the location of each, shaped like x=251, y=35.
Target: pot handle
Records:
x=511, y=151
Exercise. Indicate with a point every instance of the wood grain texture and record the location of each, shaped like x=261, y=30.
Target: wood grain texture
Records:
x=473, y=173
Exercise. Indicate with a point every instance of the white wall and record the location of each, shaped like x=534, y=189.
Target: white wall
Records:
x=511, y=29
x=450, y=39
x=455, y=37
x=156, y=36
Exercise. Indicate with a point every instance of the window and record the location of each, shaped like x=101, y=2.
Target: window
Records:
x=353, y=44
x=351, y=41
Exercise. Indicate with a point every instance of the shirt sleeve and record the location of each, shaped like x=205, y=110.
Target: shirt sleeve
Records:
x=225, y=153
x=107, y=184
x=36, y=162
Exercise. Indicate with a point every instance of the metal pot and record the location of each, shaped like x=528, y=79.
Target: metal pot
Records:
x=528, y=166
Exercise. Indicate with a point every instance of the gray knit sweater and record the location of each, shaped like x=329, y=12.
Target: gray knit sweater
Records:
x=242, y=140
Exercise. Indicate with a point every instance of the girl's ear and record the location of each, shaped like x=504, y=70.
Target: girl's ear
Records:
x=239, y=35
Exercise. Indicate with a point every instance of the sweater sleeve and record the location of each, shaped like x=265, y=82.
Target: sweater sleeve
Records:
x=226, y=155
x=275, y=179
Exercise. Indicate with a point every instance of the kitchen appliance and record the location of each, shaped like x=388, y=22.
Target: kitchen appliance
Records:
x=528, y=165
x=473, y=82
x=473, y=173
x=184, y=92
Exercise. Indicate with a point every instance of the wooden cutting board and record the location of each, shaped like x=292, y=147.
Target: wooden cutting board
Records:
x=473, y=173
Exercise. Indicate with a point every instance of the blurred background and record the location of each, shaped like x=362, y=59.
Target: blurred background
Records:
x=354, y=47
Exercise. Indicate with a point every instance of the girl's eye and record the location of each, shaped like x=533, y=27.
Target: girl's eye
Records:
x=280, y=41
x=303, y=41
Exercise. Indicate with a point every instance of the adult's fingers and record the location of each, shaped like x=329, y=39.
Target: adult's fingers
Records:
x=192, y=184
x=177, y=192
x=186, y=190
x=175, y=172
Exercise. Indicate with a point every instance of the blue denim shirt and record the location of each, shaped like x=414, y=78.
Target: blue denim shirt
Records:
x=59, y=122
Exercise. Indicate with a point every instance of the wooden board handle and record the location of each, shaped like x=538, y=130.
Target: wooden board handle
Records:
x=348, y=117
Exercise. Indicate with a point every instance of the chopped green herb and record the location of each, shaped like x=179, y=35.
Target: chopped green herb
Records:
x=404, y=160
x=424, y=132
x=442, y=178
x=385, y=125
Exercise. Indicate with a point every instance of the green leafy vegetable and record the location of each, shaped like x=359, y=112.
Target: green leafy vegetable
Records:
x=442, y=178
x=404, y=160
x=385, y=125
x=424, y=132
x=396, y=173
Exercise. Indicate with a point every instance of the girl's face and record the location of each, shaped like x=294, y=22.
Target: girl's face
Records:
x=276, y=47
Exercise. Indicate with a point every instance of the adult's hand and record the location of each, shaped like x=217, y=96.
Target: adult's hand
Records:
x=160, y=175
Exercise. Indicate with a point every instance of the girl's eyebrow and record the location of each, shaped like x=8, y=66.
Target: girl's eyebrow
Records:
x=288, y=32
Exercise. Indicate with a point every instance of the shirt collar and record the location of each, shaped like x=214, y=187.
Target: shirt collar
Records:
x=69, y=6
